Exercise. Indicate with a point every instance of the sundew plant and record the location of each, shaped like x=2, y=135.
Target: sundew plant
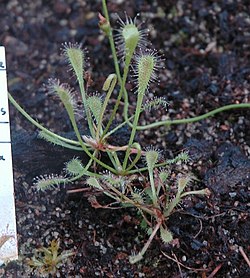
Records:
x=119, y=175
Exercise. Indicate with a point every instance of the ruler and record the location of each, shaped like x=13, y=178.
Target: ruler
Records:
x=8, y=235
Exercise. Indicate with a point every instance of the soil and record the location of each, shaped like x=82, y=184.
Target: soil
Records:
x=207, y=54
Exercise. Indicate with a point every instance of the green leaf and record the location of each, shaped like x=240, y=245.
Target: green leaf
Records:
x=64, y=92
x=145, y=71
x=166, y=235
x=74, y=167
x=75, y=57
x=130, y=37
x=48, y=181
x=144, y=224
x=94, y=183
x=182, y=182
x=163, y=175
x=182, y=157
x=155, y=103
x=138, y=197
x=95, y=105
x=56, y=141
x=152, y=156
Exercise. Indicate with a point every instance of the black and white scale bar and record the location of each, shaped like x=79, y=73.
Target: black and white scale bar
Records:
x=8, y=235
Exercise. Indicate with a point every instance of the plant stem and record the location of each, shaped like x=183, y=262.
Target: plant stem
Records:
x=172, y=204
x=140, y=96
x=152, y=185
x=138, y=257
x=116, y=128
x=35, y=123
x=116, y=64
x=104, y=106
x=86, y=108
x=138, y=156
x=194, y=119
x=112, y=44
x=156, y=228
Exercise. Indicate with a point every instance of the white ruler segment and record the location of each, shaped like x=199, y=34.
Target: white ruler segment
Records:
x=8, y=235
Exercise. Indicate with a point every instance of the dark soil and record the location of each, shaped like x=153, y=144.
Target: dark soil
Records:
x=207, y=54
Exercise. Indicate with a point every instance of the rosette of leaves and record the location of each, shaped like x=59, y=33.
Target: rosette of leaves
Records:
x=47, y=260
